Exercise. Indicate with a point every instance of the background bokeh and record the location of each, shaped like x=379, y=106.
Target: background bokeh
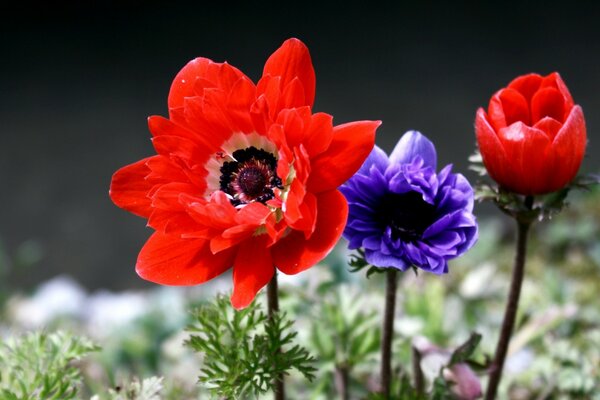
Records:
x=77, y=83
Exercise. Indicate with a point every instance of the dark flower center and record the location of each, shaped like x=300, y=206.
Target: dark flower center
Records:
x=251, y=177
x=407, y=214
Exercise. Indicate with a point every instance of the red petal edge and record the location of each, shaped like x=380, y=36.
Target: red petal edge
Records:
x=568, y=148
x=129, y=188
x=252, y=270
x=350, y=147
x=292, y=60
x=494, y=156
x=294, y=253
x=170, y=260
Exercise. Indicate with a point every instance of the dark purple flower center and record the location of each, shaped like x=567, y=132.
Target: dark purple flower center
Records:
x=407, y=214
x=251, y=177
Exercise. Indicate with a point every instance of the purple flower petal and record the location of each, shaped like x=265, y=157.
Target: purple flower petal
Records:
x=377, y=158
x=411, y=145
x=376, y=258
x=404, y=214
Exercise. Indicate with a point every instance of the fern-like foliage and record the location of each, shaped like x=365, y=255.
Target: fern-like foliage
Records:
x=245, y=350
x=39, y=366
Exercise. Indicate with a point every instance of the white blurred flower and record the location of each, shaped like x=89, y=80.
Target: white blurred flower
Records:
x=520, y=361
x=107, y=311
x=480, y=282
x=58, y=297
x=170, y=302
x=465, y=383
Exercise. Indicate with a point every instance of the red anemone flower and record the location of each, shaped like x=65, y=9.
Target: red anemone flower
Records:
x=533, y=136
x=245, y=175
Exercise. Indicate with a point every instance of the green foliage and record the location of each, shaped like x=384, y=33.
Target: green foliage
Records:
x=545, y=207
x=408, y=392
x=569, y=369
x=441, y=390
x=476, y=163
x=555, y=349
x=240, y=349
x=436, y=365
x=344, y=336
x=465, y=351
x=358, y=263
x=427, y=303
x=40, y=366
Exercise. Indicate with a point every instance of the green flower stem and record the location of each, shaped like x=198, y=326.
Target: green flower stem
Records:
x=388, y=331
x=512, y=305
x=419, y=379
x=273, y=308
x=341, y=381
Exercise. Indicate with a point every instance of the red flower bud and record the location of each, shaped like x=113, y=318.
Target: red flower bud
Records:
x=533, y=137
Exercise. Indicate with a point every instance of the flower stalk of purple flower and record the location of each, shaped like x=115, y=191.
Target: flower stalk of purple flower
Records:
x=403, y=214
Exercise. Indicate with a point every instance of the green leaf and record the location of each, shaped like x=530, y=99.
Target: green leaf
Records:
x=40, y=365
x=245, y=350
x=463, y=352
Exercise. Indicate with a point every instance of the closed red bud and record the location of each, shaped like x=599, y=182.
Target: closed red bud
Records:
x=532, y=137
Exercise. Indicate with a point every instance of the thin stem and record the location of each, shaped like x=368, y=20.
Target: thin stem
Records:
x=512, y=306
x=388, y=331
x=419, y=379
x=341, y=381
x=273, y=308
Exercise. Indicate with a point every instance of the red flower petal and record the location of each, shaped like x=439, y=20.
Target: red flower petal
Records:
x=293, y=95
x=160, y=126
x=252, y=270
x=494, y=157
x=539, y=159
x=294, y=253
x=568, y=149
x=507, y=106
x=554, y=80
x=218, y=214
x=129, y=188
x=294, y=121
x=301, y=213
x=247, y=221
x=294, y=199
x=172, y=222
x=292, y=60
x=167, y=196
x=308, y=210
x=319, y=135
x=169, y=213
x=199, y=74
x=527, y=149
x=163, y=167
x=527, y=85
x=315, y=132
x=208, y=117
x=180, y=147
x=216, y=111
x=171, y=260
x=231, y=237
x=549, y=126
x=168, y=169
x=239, y=102
x=350, y=146
x=547, y=102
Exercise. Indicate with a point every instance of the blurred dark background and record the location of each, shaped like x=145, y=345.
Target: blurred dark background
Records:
x=78, y=81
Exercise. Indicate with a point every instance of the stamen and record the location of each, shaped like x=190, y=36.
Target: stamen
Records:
x=409, y=214
x=250, y=177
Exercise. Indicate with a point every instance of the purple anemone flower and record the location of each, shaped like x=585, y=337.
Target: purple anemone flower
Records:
x=403, y=213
